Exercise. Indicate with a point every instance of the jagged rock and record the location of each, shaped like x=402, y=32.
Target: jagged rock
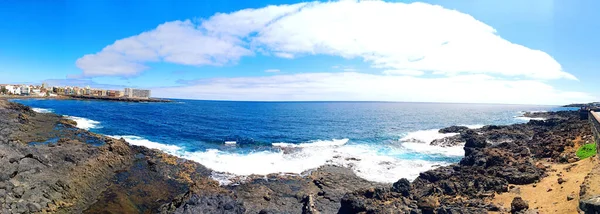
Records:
x=402, y=186
x=453, y=129
x=72, y=176
x=473, y=140
x=68, y=122
x=428, y=203
x=591, y=206
x=518, y=204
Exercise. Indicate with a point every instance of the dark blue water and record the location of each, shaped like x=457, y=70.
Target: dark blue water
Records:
x=311, y=133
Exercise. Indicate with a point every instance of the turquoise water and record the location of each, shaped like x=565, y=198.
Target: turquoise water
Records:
x=380, y=141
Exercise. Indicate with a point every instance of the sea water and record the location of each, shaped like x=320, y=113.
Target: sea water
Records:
x=379, y=141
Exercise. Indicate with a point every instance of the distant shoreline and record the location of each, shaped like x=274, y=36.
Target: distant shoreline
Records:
x=74, y=97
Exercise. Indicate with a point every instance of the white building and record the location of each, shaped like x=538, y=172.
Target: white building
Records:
x=137, y=93
x=35, y=91
x=13, y=89
x=25, y=90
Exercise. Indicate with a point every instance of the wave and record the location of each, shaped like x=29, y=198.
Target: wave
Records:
x=367, y=161
x=425, y=148
x=476, y=126
x=84, y=123
x=42, y=110
x=318, y=143
x=428, y=136
x=364, y=160
x=140, y=141
x=230, y=142
x=529, y=118
x=425, y=136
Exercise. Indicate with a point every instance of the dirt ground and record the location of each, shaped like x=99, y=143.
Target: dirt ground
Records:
x=548, y=196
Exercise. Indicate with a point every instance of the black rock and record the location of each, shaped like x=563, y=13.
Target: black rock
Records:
x=453, y=129
x=402, y=186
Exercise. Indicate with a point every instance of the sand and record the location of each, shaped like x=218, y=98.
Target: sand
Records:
x=548, y=196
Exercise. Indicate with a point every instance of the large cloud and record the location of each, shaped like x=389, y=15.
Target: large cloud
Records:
x=413, y=37
x=369, y=87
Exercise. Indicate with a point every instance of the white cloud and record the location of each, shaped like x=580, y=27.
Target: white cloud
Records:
x=391, y=36
x=272, y=70
x=349, y=69
x=404, y=72
x=368, y=87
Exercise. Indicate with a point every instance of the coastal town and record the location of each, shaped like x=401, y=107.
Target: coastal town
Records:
x=46, y=91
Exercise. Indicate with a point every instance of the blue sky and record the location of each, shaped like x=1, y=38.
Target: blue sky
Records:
x=546, y=51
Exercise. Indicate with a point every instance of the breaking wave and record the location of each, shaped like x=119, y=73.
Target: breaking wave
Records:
x=370, y=162
x=318, y=143
x=140, y=141
x=425, y=136
x=42, y=110
x=529, y=118
x=84, y=123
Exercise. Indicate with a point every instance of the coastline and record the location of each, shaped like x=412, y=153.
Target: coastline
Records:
x=496, y=157
x=75, y=97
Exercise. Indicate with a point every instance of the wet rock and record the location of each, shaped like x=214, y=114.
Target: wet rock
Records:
x=402, y=186
x=309, y=205
x=453, y=129
x=518, y=204
x=473, y=140
x=68, y=122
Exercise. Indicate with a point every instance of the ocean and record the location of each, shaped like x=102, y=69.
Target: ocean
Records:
x=379, y=141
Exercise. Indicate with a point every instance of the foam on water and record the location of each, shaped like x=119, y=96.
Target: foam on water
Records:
x=42, y=110
x=529, y=118
x=84, y=123
x=366, y=161
x=140, y=141
x=230, y=142
x=425, y=148
x=425, y=136
x=318, y=143
x=476, y=126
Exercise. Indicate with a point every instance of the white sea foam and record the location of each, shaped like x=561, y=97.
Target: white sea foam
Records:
x=522, y=117
x=230, y=142
x=140, y=141
x=318, y=143
x=425, y=148
x=476, y=126
x=367, y=161
x=84, y=123
x=425, y=136
x=41, y=110
x=529, y=118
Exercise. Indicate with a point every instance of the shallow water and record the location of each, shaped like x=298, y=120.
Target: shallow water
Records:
x=380, y=141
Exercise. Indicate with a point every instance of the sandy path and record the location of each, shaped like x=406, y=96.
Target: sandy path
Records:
x=548, y=196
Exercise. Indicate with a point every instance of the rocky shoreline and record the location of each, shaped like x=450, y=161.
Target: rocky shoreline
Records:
x=82, y=97
x=47, y=165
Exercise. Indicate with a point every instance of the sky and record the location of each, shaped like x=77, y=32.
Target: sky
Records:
x=471, y=51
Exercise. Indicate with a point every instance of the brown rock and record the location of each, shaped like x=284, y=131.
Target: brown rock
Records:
x=518, y=204
x=561, y=180
x=428, y=203
x=570, y=197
